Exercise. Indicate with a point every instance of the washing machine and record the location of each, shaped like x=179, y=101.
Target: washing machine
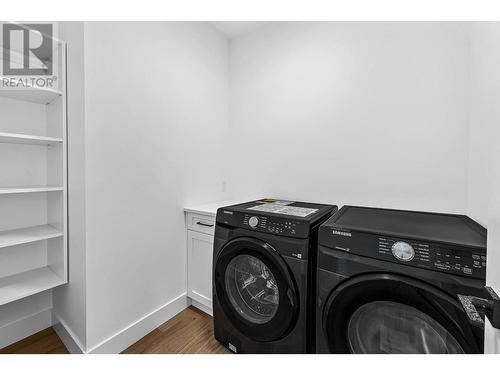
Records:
x=389, y=281
x=264, y=275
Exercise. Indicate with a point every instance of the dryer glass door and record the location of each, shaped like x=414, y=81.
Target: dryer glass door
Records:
x=388, y=313
x=386, y=327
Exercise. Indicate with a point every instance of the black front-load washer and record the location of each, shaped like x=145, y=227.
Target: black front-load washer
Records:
x=263, y=275
x=388, y=282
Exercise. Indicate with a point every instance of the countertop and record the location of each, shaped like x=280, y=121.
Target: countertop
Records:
x=210, y=208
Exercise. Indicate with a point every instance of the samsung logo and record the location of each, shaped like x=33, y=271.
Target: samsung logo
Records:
x=340, y=233
x=228, y=212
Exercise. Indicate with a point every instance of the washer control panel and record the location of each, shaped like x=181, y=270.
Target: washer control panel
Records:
x=275, y=225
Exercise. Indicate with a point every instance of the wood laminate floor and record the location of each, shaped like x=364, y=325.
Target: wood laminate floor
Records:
x=189, y=332
x=43, y=342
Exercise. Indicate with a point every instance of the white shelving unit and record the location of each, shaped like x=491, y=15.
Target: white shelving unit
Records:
x=26, y=235
x=32, y=95
x=28, y=139
x=33, y=187
x=29, y=189
x=25, y=284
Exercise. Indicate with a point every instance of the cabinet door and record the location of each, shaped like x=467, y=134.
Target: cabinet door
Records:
x=200, y=252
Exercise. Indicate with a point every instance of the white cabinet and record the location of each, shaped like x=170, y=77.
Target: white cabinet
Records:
x=200, y=228
x=201, y=223
x=200, y=252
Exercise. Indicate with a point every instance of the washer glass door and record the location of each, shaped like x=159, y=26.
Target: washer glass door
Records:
x=255, y=289
x=385, y=327
x=252, y=289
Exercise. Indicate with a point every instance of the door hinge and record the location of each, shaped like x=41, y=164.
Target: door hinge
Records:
x=490, y=307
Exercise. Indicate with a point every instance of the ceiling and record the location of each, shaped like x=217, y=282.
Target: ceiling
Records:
x=233, y=29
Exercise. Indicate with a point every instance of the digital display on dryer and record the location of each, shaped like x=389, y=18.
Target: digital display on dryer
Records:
x=460, y=261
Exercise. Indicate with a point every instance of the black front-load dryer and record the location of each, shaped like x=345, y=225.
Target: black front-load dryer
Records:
x=389, y=280
x=263, y=275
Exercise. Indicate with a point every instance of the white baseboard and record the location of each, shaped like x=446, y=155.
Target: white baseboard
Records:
x=134, y=332
x=67, y=336
x=202, y=307
x=25, y=327
x=39, y=321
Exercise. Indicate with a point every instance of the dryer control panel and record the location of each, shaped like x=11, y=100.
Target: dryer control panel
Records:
x=430, y=255
x=449, y=243
x=461, y=261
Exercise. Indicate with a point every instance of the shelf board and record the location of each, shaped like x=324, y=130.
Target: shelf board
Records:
x=27, y=235
x=25, y=284
x=29, y=189
x=33, y=94
x=28, y=139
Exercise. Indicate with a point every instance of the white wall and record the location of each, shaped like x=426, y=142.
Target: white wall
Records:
x=484, y=173
x=351, y=113
x=156, y=111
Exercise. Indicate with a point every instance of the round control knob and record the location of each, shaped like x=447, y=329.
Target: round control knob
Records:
x=253, y=221
x=403, y=251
